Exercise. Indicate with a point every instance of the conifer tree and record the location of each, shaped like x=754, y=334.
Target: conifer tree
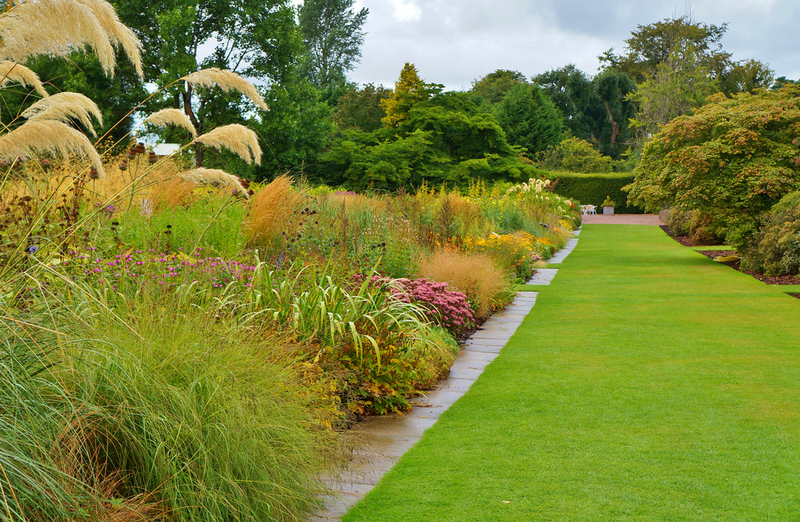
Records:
x=408, y=91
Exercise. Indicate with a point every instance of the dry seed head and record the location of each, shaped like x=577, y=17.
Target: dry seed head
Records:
x=227, y=81
x=204, y=176
x=48, y=136
x=59, y=27
x=119, y=34
x=65, y=106
x=174, y=117
x=237, y=138
x=14, y=72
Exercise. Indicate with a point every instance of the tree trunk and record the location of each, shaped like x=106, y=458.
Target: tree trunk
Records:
x=614, y=126
x=187, y=109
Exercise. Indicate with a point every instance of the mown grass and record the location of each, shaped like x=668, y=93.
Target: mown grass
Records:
x=648, y=383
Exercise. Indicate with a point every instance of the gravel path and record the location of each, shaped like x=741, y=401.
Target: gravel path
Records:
x=622, y=219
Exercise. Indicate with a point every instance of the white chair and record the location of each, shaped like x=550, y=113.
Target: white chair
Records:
x=591, y=209
x=584, y=209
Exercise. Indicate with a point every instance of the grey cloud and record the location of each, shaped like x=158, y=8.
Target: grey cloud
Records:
x=454, y=42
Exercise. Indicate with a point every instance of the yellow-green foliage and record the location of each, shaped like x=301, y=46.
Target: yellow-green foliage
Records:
x=575, y=155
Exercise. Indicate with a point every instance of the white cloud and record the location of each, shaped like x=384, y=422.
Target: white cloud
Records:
x=405, y=10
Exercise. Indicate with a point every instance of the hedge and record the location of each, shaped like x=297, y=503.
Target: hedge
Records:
x=592, y=189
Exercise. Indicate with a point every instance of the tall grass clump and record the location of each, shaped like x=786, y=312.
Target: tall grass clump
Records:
x=478, y=276
x=177, y=417
x=271, y=223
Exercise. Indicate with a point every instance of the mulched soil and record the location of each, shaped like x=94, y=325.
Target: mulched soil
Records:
x=711, y=254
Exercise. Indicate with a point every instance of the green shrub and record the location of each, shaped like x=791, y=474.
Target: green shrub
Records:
x=776, y=250
x=575, y=155
x=680, y=222
x=787, y=202
x=592, y=189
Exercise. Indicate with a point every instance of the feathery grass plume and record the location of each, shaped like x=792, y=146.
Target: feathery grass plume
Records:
x=48, y=136
x=65, y=106
x=14, y=72
x=54, y=28
x=204, y=176
x=119, y=34
x=235, y=137
x=271, y=212
x=175, y=117
x=227, y=81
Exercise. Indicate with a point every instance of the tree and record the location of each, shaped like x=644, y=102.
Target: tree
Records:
x=295, y=130
x=457, y=134
x=491, y=89
x=362, y=109
x=611, y=127
x=594, y=109
x=571, y=91
x=409, y=90
x=677, y=87
x=530, y=119
x=257, y=39
x=333, y=37
x=658, y=43
x=731, y=160
x=745, y=76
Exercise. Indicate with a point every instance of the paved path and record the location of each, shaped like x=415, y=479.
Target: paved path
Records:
x=379, y=442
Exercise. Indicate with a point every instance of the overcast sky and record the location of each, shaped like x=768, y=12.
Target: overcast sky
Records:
x=454, y=42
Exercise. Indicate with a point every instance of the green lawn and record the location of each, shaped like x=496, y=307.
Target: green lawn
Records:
x=648, y=383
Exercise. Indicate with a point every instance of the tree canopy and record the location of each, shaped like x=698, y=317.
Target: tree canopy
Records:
x=492, y=88
x=409, y=89
x=731, y=160
x=530, y=119
x=594, y=109
x=257, y=39
x=332, y=32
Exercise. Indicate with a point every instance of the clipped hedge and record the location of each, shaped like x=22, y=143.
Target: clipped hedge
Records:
x=592, y=189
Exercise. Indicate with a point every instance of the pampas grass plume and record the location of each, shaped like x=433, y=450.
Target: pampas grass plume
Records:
x=119, y=34
x=65, y=106
x=60, y=27
x=174, y=117
x=14, y=72
x=237, y=138
x=48, y=136
x=227, y=81
x=204, y=176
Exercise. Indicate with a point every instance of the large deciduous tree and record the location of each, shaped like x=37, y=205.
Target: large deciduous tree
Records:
x=675, y=88
x=332, y=32
x=594, y=109
x=731, y=160
x=361, y=108
x=658, y=43
x=257, y=39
